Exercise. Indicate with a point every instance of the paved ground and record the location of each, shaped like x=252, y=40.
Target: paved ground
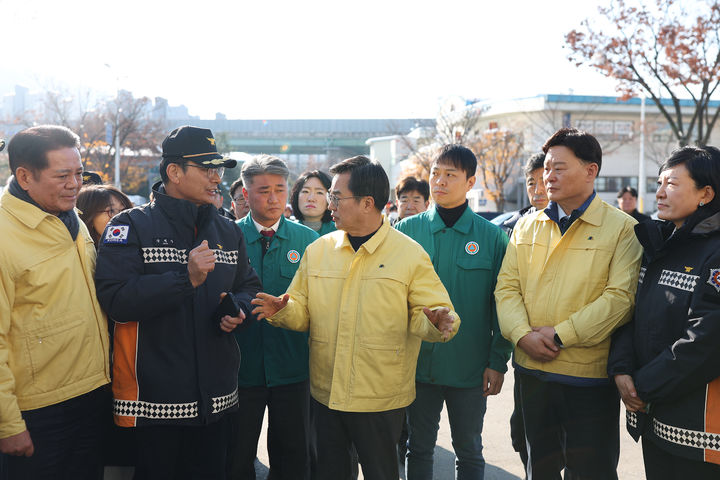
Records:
x=502, y=461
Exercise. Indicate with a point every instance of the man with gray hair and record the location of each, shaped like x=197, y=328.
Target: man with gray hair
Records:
x=274, y=367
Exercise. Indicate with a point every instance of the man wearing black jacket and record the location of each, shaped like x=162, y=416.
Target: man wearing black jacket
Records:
x=162, y=270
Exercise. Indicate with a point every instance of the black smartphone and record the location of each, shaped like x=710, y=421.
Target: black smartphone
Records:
x=228, y=306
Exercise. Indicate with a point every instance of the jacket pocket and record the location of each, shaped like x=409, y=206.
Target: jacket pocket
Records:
x=474, y=262
x=322, y=356
x=378, y=370
x=288, y=270
x=61, y=352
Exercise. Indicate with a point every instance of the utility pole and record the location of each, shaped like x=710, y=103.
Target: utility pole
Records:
x=642, y=182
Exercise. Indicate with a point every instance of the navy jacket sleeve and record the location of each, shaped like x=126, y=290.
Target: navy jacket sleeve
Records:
x=621, y=360
x=694, y=359
x=247, y=283
x=124, y=290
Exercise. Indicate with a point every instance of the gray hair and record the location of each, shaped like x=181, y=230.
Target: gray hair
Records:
x=261, y=165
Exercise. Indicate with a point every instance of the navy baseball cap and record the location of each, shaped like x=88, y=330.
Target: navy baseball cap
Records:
x=91, y=178
x=194, y=144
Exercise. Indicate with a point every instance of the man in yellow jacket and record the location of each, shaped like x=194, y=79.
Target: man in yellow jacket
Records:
x=368, y=296
x=567, y=282
x=53, y=334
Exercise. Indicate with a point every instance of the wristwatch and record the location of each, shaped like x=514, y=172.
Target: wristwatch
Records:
x=558, y=342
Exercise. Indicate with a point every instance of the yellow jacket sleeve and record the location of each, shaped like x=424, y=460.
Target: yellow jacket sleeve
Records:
x=512, y=315
x=295, y=315
x=426, y=290
x=11, y=422
x=613, y=308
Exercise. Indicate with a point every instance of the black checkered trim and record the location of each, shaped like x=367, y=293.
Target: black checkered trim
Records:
x=631, y=418
x=134, y=408
x=230, y=256
x=223, y=403
x=164, y=255
x=642, y=275
x=681, y=281
x=685, y=437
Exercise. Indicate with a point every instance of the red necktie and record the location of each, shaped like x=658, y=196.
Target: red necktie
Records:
x=267, y=236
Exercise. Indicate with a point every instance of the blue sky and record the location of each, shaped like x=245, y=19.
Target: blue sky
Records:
x=297, y=59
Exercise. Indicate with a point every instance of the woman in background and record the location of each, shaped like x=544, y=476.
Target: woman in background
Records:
x=98, y=204
x=666, y=361
x=309, y=202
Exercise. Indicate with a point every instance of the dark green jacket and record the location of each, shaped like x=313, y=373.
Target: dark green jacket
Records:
x=467, y=258
x=326, y=227
x=272, y=356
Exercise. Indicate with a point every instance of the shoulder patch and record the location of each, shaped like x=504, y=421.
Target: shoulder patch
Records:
x=116, y=234
x=714, y=279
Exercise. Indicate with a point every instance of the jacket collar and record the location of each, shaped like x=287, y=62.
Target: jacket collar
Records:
x=463, y=224
x=253, y=235
x=592, y=215
x=26, y=213
x=372, y=244
x=182, y=212
x=658, y=237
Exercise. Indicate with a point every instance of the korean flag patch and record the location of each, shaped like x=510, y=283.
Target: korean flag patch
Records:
x=714, y=279
x=116, y=234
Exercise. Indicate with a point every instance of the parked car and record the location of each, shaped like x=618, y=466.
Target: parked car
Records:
x=500, y=219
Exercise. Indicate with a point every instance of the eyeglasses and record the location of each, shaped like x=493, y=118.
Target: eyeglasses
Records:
x=333, y=200
x=111, y=211
x=239, y=199
x=211, y=172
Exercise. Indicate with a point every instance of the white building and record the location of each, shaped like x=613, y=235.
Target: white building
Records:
x=616, y=124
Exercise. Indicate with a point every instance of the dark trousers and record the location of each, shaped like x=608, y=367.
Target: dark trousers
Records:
x=661, y=465
x=570, y=427
x=288, y=410
x=374, y=434
x=67, y=440
x=182, y=452
x=517, y=427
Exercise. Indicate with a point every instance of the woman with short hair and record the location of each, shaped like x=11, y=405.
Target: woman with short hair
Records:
x=666, y=361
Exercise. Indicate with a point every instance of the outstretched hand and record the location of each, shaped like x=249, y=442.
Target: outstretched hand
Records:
x=442, y=319
x=268, y=305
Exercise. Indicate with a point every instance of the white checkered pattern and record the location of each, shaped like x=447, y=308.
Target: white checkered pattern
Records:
x=223, y=403
x=631, y=418
x=681, y=281
x=230, y=256
x=685, y=437
x=164, y=255
x=133, y=408
x=642, y=274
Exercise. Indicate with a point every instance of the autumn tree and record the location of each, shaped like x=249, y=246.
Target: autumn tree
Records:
x=458, y=122
x=665, y=50
x=499, y=153
x=128, y=119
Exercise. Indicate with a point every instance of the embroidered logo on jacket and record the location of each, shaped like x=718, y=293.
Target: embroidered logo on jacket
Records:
x=293, y=256
x=116, y=234
x=681, y=281
x=714, y=279
x=472, y=248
